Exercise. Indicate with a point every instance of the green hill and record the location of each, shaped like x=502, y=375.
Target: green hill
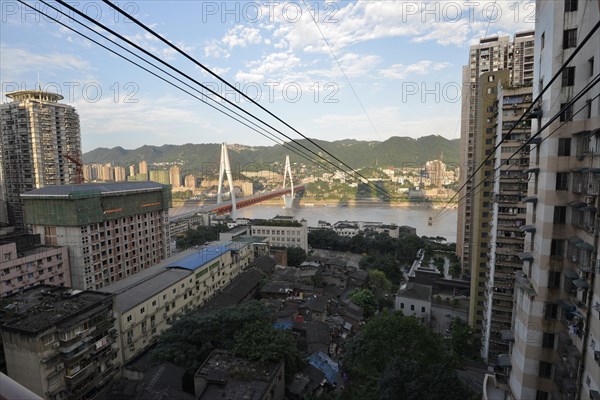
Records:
x=395, y=151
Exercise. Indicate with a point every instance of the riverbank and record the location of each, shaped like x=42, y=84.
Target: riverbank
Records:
x=308, y=202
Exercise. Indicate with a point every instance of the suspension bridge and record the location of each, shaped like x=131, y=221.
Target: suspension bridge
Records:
x=288, y=194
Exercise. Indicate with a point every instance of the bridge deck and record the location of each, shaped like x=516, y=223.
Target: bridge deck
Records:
x=225, y=207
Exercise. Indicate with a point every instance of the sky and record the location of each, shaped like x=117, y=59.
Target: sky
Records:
x=333, y=70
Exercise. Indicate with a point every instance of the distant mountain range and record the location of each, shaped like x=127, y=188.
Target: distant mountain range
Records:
x=395, y=151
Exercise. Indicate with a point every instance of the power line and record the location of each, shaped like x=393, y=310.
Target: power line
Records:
x=272, y=137
x=533, y=103
x=568, y=105
x=251, y=100
x=341, y=69
x=493, y=176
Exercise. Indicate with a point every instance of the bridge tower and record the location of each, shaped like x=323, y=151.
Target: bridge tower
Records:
x=225, y=168
x=288, y=198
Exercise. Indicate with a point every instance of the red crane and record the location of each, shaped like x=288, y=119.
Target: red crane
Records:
x=78, y=168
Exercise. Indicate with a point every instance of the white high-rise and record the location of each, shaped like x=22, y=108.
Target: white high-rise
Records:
x=36, y=132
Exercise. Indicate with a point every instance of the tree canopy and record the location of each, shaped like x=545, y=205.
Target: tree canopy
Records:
x=388, y=357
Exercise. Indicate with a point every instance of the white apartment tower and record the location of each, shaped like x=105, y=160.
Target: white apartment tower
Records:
x=556, y=326
x=36, y=132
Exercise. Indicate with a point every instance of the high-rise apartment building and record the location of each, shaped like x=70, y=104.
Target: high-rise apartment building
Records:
x=506, y=221
x=190, y=181
x=491, y=54
x=555, y=352
x=120, y=174
x=175, y=176
x=143, y=166
x=436, y=171
x=160, y=176
x=36, y=132
x=112, y=230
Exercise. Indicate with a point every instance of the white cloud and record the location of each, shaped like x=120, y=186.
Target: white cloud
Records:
x=241, y=36
x=400, y=71
x=213, y=49
x=18, y=62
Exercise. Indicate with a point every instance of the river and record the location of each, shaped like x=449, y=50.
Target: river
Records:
x=416, y=216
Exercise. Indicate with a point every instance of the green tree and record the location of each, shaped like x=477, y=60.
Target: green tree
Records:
x=462, y=341
x=193, y=336
x=379, y=284
x=404, y=378
x=295, y=256
x=259, y=341
x=366, y=299
x=384, y=338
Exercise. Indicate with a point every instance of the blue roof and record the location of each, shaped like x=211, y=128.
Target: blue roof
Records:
x=199, y=259
x=283, y=325
x=325, y=364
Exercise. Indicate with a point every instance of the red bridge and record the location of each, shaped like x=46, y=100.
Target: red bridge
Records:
x=225, y=207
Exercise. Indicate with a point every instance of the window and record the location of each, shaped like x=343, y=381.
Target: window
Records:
x=570, y=5
x=543, y=39
x=568, y=76
x=588, y=106
x=548, y=340
x=545, y=369
x=551, y=311
x=560, y=214
x=564, y=147
x=129, y=318
x=562, y=181
x=591, y=67
x=569, y=38
x=412, y=307
x=553, y=279
x=154, y=303
x=402, y=306
x=557, y=247
x=541, y=395
x=142, y=310
x=422, y=309
x=567, y=113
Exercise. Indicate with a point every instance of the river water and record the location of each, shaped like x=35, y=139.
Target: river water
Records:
x=416, y=216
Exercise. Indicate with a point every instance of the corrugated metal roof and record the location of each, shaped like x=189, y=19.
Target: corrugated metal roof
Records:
x=200, y=258
x=90, y=188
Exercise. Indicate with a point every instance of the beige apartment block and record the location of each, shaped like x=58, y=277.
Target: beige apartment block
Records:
x=112, y=230
x=147, y=302
x=491, y=54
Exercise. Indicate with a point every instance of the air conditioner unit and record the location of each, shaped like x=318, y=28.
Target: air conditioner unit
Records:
x=589, y=200
x=60, y=367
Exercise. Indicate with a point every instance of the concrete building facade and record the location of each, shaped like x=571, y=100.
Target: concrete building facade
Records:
x=282, y=232
x=556, y=327
x=175, y=176
x=491, y=54
x=26, y=263
x=112, y=230
x=36, y=131
x=58, y=343
x=487, y=58
x=507, y=225
x=146, y=303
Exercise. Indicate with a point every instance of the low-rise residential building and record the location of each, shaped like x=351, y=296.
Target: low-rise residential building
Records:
x=59, y=343
x=147, y=302
x=112, y=230
x=282, y=231
x=414, y=299
x=225, y=376
x=26, y=263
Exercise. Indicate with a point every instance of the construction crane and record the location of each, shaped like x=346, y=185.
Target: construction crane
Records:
x=78, y=168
